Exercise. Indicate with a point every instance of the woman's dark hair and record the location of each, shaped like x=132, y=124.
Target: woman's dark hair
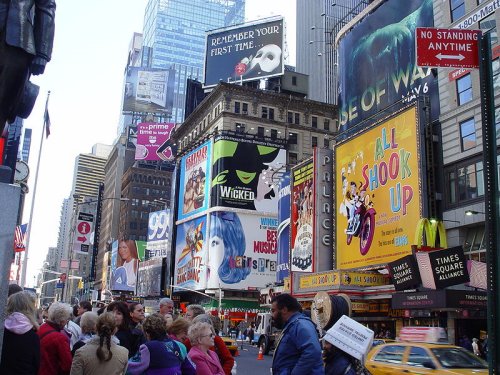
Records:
x=123, y=308
x=75, y=310
x=155, y=326
x=131, y=306
x=105, y=328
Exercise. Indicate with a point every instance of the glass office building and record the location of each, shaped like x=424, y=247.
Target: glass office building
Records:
x=174, y=36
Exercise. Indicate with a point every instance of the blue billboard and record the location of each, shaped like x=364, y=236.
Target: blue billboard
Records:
x=283, y=268
x=194, y=183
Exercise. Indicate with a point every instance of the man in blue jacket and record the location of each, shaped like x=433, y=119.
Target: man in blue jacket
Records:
x=298, y=350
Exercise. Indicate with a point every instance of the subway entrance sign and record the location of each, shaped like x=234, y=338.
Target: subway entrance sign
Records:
x=447, y=47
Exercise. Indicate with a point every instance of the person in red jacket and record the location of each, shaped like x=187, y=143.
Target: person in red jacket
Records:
x=55, y=355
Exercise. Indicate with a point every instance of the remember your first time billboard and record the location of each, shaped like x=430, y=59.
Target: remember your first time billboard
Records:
x=378, y=192
x=246, y=52
x=377, y=62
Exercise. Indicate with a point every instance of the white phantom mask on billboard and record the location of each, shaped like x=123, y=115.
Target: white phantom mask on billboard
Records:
x=268, y=58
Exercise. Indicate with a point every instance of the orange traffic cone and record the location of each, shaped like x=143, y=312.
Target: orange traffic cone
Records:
x=260, y=357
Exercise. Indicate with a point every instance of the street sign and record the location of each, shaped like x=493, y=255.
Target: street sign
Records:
x=447, y=47
x=83, y=228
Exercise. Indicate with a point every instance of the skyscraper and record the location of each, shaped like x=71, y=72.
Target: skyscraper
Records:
x=174, y=36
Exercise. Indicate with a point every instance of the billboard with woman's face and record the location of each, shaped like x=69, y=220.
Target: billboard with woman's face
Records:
x=124, y=265
x=242, y=250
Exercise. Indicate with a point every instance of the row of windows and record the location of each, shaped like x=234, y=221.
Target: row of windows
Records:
x=241, y=128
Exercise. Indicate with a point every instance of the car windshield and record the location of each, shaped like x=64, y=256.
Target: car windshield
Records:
x=457, y=358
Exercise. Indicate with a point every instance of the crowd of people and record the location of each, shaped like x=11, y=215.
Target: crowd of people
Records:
x=119, y=339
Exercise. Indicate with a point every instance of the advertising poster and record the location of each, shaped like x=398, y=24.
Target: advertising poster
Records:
x=149, y=278
x=448, y=267
x=377, y=62
x=283, y=268
x=159, y=235
x=302, y=217
x=243, y=174
x=404, y=273
x=148, y=90
x=194, y=182
x=378, y=192
x=125, y=257
x=246, y=52
x=153, y=141
x=242, y=250
x=190, y=258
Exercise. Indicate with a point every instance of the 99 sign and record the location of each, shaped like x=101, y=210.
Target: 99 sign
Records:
x=158, y=225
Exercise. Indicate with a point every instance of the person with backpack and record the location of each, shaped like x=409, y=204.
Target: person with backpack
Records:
x=160, y=355
x=298, y=350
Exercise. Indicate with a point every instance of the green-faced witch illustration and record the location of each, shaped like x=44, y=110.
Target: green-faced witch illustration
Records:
x=243, y=174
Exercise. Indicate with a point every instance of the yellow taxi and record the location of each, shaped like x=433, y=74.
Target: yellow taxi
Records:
x=423, y=358
x=231, y=345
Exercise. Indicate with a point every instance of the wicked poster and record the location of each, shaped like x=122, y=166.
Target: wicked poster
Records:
x=243, y=172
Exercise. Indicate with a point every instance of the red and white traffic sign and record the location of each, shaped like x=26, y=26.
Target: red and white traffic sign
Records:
x=447, y=47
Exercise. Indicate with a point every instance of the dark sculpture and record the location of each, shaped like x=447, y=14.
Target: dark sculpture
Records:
x=26, y=37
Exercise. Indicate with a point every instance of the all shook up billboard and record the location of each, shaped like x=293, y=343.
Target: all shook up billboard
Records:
x=244, y=53
x=377, y=62
x=378, y=192
x=242, y=173
x=194, y=183
x=242, y=250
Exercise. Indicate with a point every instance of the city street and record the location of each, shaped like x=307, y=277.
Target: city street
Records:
x=248, y=364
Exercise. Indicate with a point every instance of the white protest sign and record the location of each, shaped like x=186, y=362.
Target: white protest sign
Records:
x=351, y=337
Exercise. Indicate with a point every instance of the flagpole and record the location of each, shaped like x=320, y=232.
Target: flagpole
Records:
x=28, y=231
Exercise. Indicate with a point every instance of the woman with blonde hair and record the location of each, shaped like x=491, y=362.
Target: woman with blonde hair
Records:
x=101, y=355
x=21, y=345
x=201, y=335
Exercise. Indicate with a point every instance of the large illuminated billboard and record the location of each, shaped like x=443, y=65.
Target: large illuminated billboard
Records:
x=378, y=192
x=377, y=61
x=243, y=172
x=246, y=52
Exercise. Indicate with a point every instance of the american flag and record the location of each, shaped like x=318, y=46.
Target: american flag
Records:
x=19, y=238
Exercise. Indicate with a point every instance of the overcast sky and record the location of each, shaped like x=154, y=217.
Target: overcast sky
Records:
x=85, y=78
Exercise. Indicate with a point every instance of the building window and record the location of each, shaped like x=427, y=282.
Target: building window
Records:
x=260, y=131
x=314, y=141
x=488, y=25
x=293, y=118
x=267, y=113
x=292, y=158
x=326, y=124
x=274, y=134
x=464, y=183
x=244, y=108
x=457, y=9
x=294, y=81
x=474, y=244
x=464, y=89
x=314, y=122
x=326, y=143
x=468, y=134
x=271, y=114
x=292, y=138
x=236, y=107
x=264, y=113
x=240, y=128
x=496, y=74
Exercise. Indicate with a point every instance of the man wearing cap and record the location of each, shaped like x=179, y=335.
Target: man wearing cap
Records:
x=298, y=350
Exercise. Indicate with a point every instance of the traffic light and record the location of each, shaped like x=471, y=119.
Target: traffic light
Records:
x=80, y=284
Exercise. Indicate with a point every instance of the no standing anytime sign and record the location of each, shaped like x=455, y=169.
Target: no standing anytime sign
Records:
x=447, y=47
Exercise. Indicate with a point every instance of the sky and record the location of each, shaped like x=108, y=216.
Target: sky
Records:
x=85, y=78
